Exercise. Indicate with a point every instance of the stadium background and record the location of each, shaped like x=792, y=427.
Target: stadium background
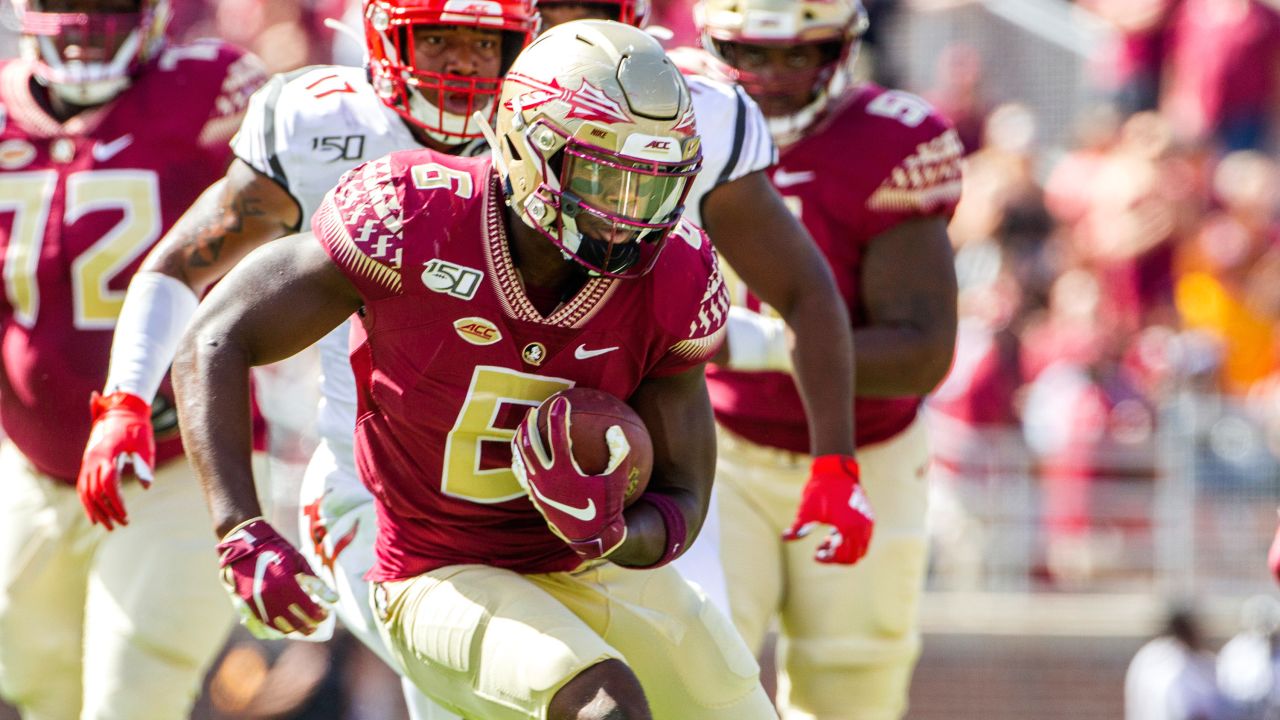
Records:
x=1107, y=442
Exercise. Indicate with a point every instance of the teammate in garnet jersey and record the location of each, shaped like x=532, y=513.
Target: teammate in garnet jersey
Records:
x=107, y=134
x=500, y=601
x=874, y=174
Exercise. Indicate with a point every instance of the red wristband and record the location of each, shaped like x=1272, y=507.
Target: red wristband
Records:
x=677, y=528
x=834, y=463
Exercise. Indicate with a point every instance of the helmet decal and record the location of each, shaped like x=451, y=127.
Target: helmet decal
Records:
x=588, y=102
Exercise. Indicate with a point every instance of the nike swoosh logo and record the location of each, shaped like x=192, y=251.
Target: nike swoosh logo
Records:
x=784, y=179
x=104, y=151
x=265, y=560
x=585, y=514
x=582, y=353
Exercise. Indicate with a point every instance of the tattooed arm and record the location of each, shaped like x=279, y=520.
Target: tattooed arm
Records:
x=235, y=215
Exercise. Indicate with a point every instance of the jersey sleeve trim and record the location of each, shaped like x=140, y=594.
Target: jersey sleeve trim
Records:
x=927, y=182
x=269, y=131
x=739, y=127
x=337, y=241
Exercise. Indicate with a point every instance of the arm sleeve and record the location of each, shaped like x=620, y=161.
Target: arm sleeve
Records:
x=156, y=312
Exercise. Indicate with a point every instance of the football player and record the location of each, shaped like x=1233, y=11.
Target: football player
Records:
x=506, y=583
x=766, y=247
x=107, y=134
x=874, y=174
x=299, y=135
x=432, y=65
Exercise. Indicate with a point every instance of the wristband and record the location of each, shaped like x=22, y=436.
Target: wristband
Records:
x=673, y=520
x=830, y=464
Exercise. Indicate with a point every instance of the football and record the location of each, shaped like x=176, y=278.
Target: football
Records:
x=591, y=413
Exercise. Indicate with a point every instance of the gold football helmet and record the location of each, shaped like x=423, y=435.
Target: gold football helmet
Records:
x=596, y=144
x=834, y=26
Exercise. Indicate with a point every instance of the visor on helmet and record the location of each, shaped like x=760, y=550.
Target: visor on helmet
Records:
x=615, y=211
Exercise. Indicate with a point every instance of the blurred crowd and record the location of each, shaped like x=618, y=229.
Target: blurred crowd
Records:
x=1102, y=283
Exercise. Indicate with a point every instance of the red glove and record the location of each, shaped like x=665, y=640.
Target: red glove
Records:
x=834, y=497
x=120, y=437
x=270, y=583
x=583, y=510
x=1273, y=557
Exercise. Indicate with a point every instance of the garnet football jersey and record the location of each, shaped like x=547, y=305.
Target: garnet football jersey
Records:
x=879, y=158
x=81, y=203
x=306, y=128
x=451, y=354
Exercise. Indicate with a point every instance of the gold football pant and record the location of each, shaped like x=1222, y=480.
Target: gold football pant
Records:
x=848, y=634
x=494, y=644
x=106, y=626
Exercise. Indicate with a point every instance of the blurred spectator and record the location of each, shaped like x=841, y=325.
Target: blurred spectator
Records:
x=1222, y=69
x=957, y=92
x=1093, y=431
x=1172, y=676
x=1247, y=665
x=1129, y=69
x=1229, y=273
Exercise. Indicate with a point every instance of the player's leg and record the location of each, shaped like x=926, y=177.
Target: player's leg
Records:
x=156, y=614
x=685, y=652
x=337, y=527
x=486, y=642
x=850, y=637
x=756, y=497
x=45, y=545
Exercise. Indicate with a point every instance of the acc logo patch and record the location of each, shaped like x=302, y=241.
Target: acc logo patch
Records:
x=534, y=353
x=477, y=331
x=455, y=280
x=15, y=154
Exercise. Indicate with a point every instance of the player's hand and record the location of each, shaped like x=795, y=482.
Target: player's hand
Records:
x=270, y=583
x=1273, y=557
x=834, y=497
x=583, y=510
x=120, y=438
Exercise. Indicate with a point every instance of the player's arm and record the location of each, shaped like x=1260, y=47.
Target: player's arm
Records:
x=908, y=284
x=773, y=254
x=238, y=213
x=668, y=517
x=286, y=297
x=235, y=215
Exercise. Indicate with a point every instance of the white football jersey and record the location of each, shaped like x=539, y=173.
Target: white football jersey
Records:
x=306, y=128
x=735, y=139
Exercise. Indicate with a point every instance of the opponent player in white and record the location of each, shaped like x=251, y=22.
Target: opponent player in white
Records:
x=304, y=130
x=107, y=134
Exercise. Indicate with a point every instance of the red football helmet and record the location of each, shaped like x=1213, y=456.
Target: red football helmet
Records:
x=834, y=26
x=424, y=97
x=631, y=12
x=87, y=51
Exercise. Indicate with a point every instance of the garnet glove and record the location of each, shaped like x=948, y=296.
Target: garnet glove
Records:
x=583, y=510
x=270, y=583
